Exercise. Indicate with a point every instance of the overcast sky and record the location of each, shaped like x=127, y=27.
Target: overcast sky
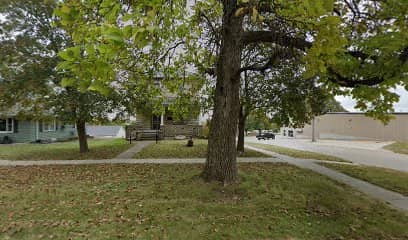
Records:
x=402, y=106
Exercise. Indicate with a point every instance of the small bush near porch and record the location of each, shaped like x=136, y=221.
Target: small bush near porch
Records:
x=273, y=201
x=99, y=149
x=178, y=149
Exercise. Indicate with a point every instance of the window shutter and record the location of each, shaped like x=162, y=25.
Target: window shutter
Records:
x=40, y=126
x=15, y=126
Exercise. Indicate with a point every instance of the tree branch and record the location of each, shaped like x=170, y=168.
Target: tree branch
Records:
x=213, y=29
x=275, y=37
x=273, y=59
x=170, y=49
x=404, y=55
x=350, y=83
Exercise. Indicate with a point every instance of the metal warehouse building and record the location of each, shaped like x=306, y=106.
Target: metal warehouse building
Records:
x=355, y=126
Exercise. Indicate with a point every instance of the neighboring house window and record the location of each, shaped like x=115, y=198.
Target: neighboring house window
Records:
x=6, y=125
x=49, y=126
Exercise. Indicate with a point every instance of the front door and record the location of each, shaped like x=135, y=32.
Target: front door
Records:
x=156, y=120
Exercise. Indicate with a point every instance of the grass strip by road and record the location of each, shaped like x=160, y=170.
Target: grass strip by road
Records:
x=273, y=201
x=99, y=149
x=178, y=149
x=296, y=153
x=393, y=180
x=398, y=147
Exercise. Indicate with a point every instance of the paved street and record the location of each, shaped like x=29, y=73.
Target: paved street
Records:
x=362, y=152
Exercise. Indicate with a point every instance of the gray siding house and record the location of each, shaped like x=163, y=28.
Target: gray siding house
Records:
x=24, y=131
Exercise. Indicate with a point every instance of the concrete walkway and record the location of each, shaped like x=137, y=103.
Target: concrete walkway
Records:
x=394, y=199
x=134, y=150
x=362, y=152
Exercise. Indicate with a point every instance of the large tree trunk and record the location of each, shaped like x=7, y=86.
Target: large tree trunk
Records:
x=83, y=141
x=221, y=164
x=241, y=131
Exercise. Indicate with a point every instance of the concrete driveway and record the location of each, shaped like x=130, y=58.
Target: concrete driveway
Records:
x=362, y=152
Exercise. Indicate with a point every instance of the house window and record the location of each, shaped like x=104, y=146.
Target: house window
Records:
x=49, y=126
x=6, y=125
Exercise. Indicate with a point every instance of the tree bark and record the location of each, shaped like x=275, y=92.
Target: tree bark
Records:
x=83, y=141
x=221, y=164
x=241, y=131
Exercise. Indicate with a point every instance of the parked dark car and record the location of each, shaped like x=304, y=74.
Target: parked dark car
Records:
x=265, y=136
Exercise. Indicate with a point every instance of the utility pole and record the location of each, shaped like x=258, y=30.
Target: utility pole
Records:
x=313, y=130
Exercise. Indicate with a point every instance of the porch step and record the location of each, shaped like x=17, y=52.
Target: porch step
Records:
x=148, y=135
x=145, y=136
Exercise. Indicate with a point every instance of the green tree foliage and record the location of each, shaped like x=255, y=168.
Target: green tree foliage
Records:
x=258, y=120
x=345, y=42
x=363, y=46
x=285, y=95
x=282, y=93
x=332, y=105
x=28, y=44
x=132, y=43
x=30, y=82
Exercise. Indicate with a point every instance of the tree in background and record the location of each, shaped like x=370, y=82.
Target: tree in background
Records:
x=332, y=105
x=282, y=94
x=258, y=120
x=29, y=45
x=85, y=107
x=29, y=80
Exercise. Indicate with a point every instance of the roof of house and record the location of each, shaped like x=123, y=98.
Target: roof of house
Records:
x=25, y=113
x=11, y=112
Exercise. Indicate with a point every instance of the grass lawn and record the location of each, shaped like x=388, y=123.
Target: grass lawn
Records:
x=99, y=149
x=398, y=147
x=178, y=149
x=273, y=201
x=297, y=153
x=387, y=178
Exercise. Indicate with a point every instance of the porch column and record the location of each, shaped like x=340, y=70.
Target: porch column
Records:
x=37, y=129
x=313, y=130
x=162, y=120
